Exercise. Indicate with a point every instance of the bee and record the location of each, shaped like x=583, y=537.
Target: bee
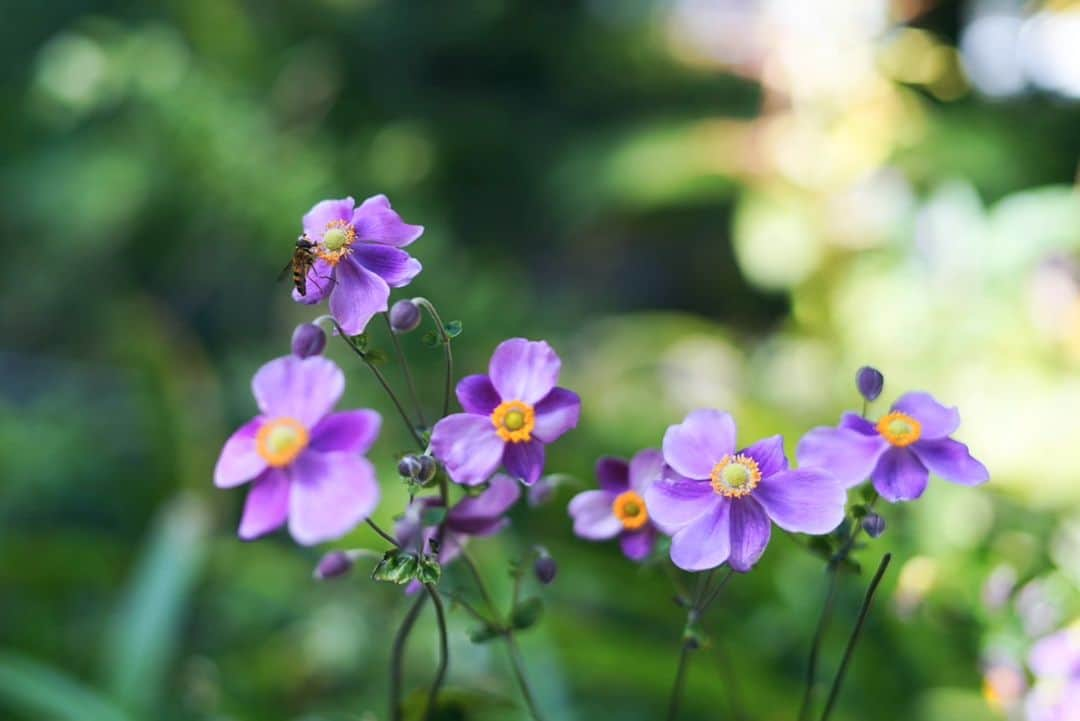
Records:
x=303, y=258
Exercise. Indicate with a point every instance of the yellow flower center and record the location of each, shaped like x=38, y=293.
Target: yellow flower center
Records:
x=281, y=440
x=629, y=508
x=735, y=475
x=900, y=429
x=514, y=421
x=337, y=239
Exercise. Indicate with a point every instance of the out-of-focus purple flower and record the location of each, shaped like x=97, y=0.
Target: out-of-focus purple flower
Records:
x=1055, y=661
x=999, y=587
x=870, y=382
x=359, y=258
x=723, y=502
x=307, y=340
x=618, y=508
x=333, y=564
x=305, y=463
x=898, y=453
x=1004, y=685
x=510, y=415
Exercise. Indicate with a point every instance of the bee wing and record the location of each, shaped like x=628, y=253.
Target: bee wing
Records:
x=285, y=272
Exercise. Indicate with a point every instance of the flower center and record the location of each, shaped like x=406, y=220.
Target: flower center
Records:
x=899, y=429
x=337, y=239
x=629, y=508
x=514, y=421
x=280, y=441
x=735, y=475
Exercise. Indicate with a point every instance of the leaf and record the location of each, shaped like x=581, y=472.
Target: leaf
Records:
x=397, y=566
x=360, y=341
x=41, y=691
x=430, y=571
x=869, y=493
x=453, y=328
x=485, y=633
x=376, y=356
x=527, y=613
x=431, y=339
x=433, y=515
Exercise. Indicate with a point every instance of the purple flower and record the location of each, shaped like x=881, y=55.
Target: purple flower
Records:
x=1055, y=661
x=722, y=500
x=619, y=508
x=481, y=515
x=358, y=258
x=510, y=415
x=898, y=452
x=305, y=463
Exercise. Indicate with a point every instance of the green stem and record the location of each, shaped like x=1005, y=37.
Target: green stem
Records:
x=518, y=664
x=406, y=371
x=397, y=657
x=815, y=647
x=693, y=614
x=385, y=536
x=480, y=585
x=447, y=353
x=868, y=600
x=444, y=651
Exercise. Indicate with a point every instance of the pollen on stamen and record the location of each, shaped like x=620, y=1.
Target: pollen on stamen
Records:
x=629, y=508
x=514, y=421
x=336, y=242
x=280, y=441
x=899, y=429
x=735, y=476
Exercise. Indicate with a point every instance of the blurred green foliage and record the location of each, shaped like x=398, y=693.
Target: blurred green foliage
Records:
x=688, y=229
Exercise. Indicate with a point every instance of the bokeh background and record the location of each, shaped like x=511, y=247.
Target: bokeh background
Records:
x=731, y=203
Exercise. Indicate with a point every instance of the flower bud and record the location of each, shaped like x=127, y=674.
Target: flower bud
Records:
x=545, y=568
x=409, y=467
x=427, y=469
x=873, y=524
x=333, y=564
x=307, y=340
x=869, y=381
x=404, y=316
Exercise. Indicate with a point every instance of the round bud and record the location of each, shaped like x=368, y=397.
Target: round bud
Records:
x=545, y=568
x=333, y=564
x=404, y=316
x=409, y=467
x=869, y=381
x=307, y=340
x=873, y=524
x=428, y=467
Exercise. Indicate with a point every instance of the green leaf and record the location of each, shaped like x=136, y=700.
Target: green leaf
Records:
x=527, y=613
x=41, y=691
x=432, y=516
x=430, y=571
x=376, y=356
x=453, y=328
x=431, y=339
x=485, y=633
x=869, y=493
x=360, y=341
x=397, y=566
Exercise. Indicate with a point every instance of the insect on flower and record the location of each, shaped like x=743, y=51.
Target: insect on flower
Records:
x=301, y=263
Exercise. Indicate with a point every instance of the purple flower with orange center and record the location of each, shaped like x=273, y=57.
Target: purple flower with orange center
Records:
x=511, y=414
x=304, y=462
x=897, y=453
x=722, y=502
x=618, y=508
x=358, y=258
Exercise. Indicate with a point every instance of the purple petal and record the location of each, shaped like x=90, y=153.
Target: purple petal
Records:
x=858, y=424
x=646, y=467
x=750, y=531
x=358, y=295
x=769, y=454
x=320, y=281
x=267, y=505
x=394, y=266
x=899, y=476
x=637, y=545
x=696, y=445
x=807, y=500
x=556, y=414
x=847, y=455
x=705, y=543
x=524, y=461
x=409, y=529
x=477, y=513
x=523, y=370
x=325, y=212
x=477, y=395
x=593, y=517
x=675, y=502
x=951, y=460
x=612, y=474
x=331, y=493
x=239, y=462
x=353, y=431
x=937, y=420
x=468, y=446
x=375, y=221
x=1057, y=655
x=305, y=389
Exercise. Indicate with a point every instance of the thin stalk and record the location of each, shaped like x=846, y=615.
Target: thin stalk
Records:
x=815, y=646
x=383, y=382
x=868, y=600
x=480, y=585
x=447, y=353
x=518, y=664
x=397, y=656
x=405, y=370
x=444, y=650
x=385, y=536
x=692, y=615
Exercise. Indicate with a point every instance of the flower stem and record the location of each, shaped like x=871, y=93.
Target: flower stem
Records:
x=447, y=353
x=385, y=536
x=405, y=370
x=444, y=651
x=703, y=597
x=815, y=647
x=397, y=656
x=855, y=633
x=518, y=664
x=383, y=382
